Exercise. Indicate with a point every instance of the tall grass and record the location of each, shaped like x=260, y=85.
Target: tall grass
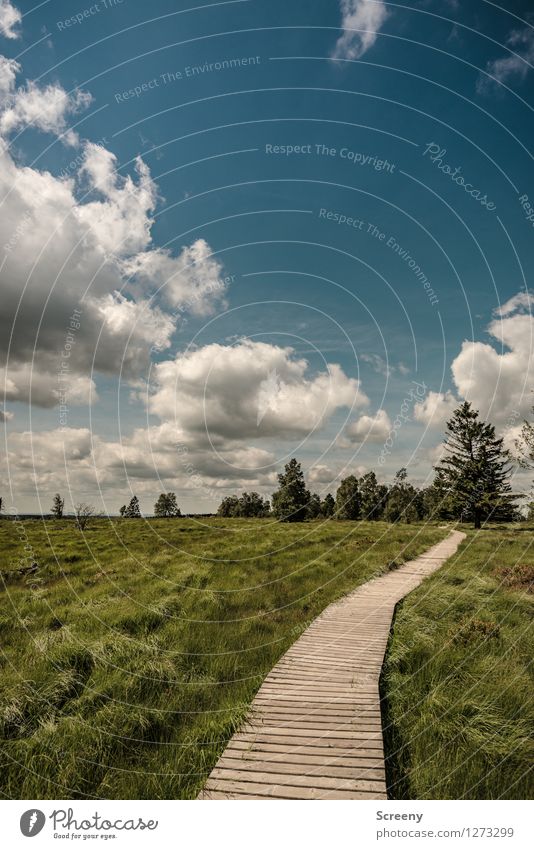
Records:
x=131, y=654
x=458, y=676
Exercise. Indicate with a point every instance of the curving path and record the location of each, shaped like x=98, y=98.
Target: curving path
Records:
x=314, y=729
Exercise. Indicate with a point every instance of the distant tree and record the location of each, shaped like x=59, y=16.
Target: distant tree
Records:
x=373, y=496
x=166, y=506
x=249, y=506
x=525, y=445
x=403, y=502
x=122, y=511
x=348, y=501
x=475, y=470
x=83, y=513
x=328, y=505
x=133, y=511
x=229, y=507
x=530, y=512
x=290, y=502
x=57, y=506
x=314, y=506
x=252, y=505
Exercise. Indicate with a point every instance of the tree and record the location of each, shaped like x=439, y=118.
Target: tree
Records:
x=229, y=507
x=525, y=445
x=57, y=506
x=314, y=506
x=348, y=500
x=290, y=502
x=133, y=511
x=328, y=505
x=403, y=502
x=475, y=470
x=373, y=496
x=166, y=506
x=122, y=511
x=249, y=506
x=83, y=513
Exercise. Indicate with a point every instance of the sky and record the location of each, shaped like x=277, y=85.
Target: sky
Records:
x=236, y=232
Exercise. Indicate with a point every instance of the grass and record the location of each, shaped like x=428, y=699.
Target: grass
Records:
x=130, y=653
x=458, y=676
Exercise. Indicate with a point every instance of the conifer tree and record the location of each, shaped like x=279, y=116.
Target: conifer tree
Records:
x=133, y=511
x=290, y=502
x=475, y=470
x=57, y=506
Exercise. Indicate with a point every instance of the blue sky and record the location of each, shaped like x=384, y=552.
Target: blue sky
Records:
x=288, y=228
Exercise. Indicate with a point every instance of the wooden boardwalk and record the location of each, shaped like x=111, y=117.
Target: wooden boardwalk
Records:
x=314, y=729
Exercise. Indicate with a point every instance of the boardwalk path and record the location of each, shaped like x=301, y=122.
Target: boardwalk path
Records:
x=314, y=730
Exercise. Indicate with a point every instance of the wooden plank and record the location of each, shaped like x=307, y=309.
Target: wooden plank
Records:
x=314, y=730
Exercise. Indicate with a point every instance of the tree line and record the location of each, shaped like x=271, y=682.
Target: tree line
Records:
x=471, y=484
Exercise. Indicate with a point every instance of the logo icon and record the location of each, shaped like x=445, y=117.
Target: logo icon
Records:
x=32, y=822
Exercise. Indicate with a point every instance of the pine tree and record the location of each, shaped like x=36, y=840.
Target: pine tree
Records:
x=122, y=511
x=166, y=506
x=475, y=470
x=57, y=506
x=290, y=502
x=348, y=500
x=133, y=511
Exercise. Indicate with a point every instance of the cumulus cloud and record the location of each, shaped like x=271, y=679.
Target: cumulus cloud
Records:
x=191, y=281
x=361, y=21
x=321, y=474
x=63, y=253
x=514, y=65
x=435, y=408
x=9, y=69
x=369, y=428
x=45, y=109
x=499, y=382
x=218, y=390
x=10, y=17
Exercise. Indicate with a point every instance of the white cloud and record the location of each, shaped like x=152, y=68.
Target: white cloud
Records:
x=191, y=281
x=500, y=384
x=321, y=474
x=218, y=390
x=9, y=69
x=435, y=408
x=63, y=253
x=10, y=17
x=514, y=65
x=45, y=109
x=361, y=20
x=369, y=428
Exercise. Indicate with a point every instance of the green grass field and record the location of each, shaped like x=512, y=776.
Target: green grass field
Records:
x=458, y=677
x=130, y=656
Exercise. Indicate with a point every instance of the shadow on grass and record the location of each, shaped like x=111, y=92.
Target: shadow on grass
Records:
x=396, y=775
